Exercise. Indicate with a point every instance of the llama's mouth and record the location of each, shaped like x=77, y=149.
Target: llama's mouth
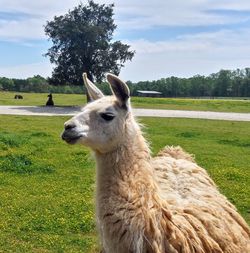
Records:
x=71, y=138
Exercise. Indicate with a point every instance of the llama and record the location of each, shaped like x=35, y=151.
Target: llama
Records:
x=50, y=101
x=18, y=97
x=165, y=204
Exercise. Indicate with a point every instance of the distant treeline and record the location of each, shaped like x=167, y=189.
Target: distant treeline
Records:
x=225, y=83
x=36, y=84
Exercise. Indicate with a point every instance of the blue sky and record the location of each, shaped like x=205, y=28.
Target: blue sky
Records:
x=181, y=38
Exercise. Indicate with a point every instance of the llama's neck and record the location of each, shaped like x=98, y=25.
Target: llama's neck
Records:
x=126, y=171
x=133, y=156
x=128, y=197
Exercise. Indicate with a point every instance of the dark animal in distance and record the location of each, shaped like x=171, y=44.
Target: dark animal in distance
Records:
x=50, y=101
x=18, y=97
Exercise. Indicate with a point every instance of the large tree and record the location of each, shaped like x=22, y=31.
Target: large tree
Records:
x=83, y=42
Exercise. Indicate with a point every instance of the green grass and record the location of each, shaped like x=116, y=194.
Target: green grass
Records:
x=218, y=105
x=40, y=99
x=47, y=186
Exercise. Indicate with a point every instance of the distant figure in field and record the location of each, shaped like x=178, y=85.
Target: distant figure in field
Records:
x=50, y=101
x=18, y=97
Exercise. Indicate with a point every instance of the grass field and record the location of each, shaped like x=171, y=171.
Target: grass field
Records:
x=46, y=186
x=219, y=105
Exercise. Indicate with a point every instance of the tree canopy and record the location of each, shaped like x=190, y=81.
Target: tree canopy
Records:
x=83, y=42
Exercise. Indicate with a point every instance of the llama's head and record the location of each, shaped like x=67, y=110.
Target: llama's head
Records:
x=103, y=123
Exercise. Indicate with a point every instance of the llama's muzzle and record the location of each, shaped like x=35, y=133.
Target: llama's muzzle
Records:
x=70, y=134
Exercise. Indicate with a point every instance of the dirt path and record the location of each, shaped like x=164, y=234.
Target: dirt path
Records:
x=69, y=111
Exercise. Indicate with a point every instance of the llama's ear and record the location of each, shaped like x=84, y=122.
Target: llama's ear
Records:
x=119, y=88
x=93, y=92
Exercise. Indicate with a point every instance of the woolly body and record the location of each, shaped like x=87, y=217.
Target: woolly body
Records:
x=165, y=204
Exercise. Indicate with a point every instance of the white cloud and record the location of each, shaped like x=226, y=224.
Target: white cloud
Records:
x=22, y=30
x=129, y=14
x=27, y=70
x=145, y=14
x=35, y=14
x=198, y=44
x=204, y=53
x=43, y=8
x=239, y=5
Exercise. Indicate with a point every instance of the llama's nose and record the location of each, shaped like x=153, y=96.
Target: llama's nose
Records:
x=69, y=125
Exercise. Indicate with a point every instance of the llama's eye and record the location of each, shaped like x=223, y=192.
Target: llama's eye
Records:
x=107, y=116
